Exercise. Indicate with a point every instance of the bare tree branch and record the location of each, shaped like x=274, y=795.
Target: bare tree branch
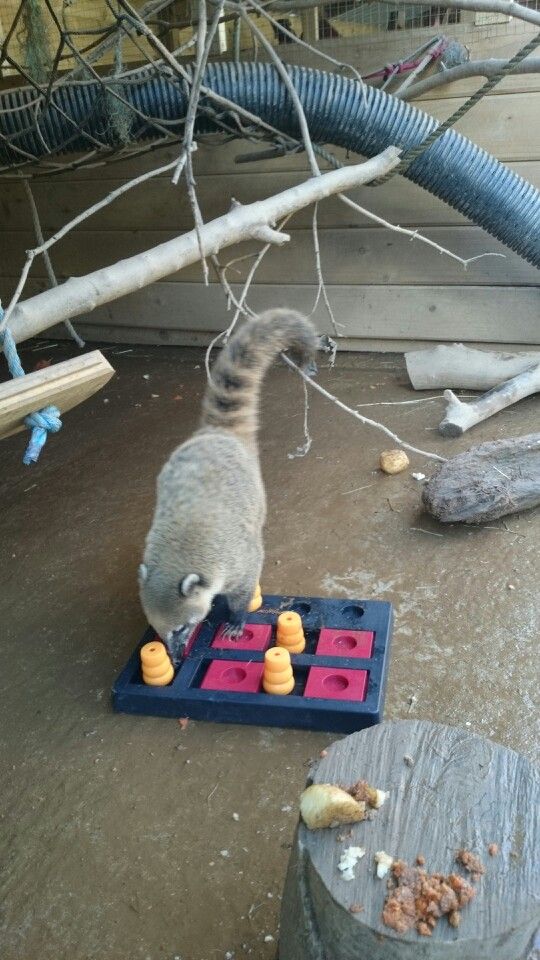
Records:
x=473, y=68
x=508, y=7
x=83, y=294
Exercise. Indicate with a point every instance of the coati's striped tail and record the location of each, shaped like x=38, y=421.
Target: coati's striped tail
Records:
x=231, y=401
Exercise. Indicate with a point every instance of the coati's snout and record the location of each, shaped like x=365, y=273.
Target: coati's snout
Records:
x=174, y=606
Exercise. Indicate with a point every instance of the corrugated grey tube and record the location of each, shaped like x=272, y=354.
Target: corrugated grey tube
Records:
x=338, y=112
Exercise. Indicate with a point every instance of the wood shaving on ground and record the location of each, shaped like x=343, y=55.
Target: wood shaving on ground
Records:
x=356, y=908
x=417, y=899
x=493, y=849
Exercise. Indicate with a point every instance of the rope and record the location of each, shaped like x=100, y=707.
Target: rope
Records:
x=411, y=155
x=41, y=422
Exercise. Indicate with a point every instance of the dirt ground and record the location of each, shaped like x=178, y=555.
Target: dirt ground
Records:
x=117, y=833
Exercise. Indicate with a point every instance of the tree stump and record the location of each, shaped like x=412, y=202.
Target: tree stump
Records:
x=460, y=792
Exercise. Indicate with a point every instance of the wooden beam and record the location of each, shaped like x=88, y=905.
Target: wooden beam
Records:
x=63, y=385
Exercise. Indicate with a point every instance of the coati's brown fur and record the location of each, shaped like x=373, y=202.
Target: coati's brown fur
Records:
x=206, y=535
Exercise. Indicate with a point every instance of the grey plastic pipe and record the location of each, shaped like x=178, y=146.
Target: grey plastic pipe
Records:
x=338, y=112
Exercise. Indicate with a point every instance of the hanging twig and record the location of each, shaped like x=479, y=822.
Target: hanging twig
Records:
x=48, y=264
x=341, y=65
x=282, y=70
x=240, y=304
x=321, y=289
x=204, y=44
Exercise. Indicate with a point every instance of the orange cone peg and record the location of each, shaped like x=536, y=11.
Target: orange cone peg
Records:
x=277, y=675
x=290, y=633
x=256, y=600
x=157, y=669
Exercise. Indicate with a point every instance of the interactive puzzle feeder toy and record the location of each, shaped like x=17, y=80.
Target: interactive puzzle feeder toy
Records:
x=333, y=656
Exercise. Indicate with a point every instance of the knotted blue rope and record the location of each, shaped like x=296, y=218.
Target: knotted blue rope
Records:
x=43, y=421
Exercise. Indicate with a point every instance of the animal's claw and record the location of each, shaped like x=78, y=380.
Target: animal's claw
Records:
x=233, y=631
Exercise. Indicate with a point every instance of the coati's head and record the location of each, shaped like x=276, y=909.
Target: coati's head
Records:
x=173, y=606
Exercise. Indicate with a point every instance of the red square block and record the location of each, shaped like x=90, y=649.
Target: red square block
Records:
x=256, y=636
x=329, y=683
x=233, y=676
x=345, y=643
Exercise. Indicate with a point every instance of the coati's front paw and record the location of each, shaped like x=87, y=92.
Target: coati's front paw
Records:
x=233, y=631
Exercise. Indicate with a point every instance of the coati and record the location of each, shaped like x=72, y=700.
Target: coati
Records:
x=206, y=534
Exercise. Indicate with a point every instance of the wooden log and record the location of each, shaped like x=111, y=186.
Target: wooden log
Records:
x=486, y=482
x=460, y=791
x=455, y=365
x=460, y=416
x=63, y=385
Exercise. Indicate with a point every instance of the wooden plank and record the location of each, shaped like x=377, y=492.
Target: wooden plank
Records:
x=434, y=313
x=367, y=255
x=158, y=205
x=63, y=385
x=494, y=120
x=112, y=334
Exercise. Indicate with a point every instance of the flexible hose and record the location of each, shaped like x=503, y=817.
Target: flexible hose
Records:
x=338, y=111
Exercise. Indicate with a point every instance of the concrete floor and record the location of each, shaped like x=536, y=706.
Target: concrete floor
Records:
x=117, y=834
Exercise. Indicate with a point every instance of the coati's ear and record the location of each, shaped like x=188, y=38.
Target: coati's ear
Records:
x=143, y=573
x=186, y=585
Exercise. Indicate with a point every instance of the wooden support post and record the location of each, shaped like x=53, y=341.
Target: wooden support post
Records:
x=310, y=25
x=63, y=385
x=456, y=791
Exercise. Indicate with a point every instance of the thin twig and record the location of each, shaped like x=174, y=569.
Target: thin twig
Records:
x=415, y=235
x=341, y=65
x=405, y=403
x=204, y=43
x=321, y=289
x=305, y=447
x=282, y=70
x=358, y=416
x=431, y=533
x=48, y=264
x=240, y=304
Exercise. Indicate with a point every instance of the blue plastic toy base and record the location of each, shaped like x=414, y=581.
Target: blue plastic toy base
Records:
x=183, y=697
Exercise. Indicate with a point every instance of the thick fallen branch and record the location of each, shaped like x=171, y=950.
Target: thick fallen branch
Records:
x=475, y=68
x=83, y=294
x=461, y=367
x=486, y=482
x=460, y=416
